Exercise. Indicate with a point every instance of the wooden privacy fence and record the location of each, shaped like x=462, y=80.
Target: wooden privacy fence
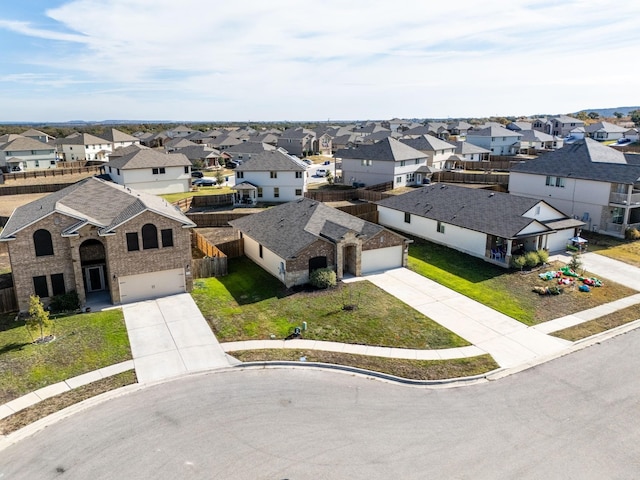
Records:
x=212, y=200
x=462, y=177
x=52, y=172
x=358, y=209
x=215, y=262
x=346, y=195
x=21, y=189
x=233, y=248
x=214, y=219
x=8, y=302
x=184, y=204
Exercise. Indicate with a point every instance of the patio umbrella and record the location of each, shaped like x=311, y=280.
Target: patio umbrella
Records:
x=578, y=240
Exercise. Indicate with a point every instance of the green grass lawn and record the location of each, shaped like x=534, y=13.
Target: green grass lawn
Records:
x=249, y=303
x=509, y=292
x=83, y=343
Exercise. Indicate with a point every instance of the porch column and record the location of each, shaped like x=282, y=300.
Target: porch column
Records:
x=74, y=243
x=339, y=260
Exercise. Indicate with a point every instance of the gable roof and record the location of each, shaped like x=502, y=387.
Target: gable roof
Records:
x=493, y=131
x=129, y=159
x=114, y=135
x=585, y=159
x=25, y=143
x=81, y=139
x=466, y=148
x=428, y=143
x=95, y=201
x=494, y=213
x=271, y=160
x=388, y=149
x=289, y=228
x=604, y=127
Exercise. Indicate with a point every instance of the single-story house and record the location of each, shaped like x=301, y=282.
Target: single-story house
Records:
x=291, y=240
x=489, y=225
x=97, y=237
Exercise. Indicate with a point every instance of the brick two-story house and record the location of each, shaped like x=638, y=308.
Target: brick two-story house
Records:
x=96, y=236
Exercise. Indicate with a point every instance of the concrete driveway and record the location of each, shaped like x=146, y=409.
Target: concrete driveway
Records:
x=170, y=337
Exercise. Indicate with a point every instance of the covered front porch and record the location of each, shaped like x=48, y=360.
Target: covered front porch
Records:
x=499, y=250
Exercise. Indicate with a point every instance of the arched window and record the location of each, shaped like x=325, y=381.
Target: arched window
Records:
x=42, y=242
x=149, y=236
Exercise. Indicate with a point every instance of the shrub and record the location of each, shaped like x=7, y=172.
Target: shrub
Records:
x=575, y=263
x=531, y=259
x=632, y=234
x=66, y=302
x=518, y=261
x=323, y=278
x=543, y=256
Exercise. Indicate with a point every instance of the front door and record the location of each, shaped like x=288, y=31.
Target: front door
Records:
x=94, y=278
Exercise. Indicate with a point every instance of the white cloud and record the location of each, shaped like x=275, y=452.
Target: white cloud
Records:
x=340, y=59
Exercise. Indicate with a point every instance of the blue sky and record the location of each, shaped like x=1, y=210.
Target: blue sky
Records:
x=247, y=60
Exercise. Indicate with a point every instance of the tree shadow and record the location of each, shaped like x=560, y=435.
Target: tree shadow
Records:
x=10, y=347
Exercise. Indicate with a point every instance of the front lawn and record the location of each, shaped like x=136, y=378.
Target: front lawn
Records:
x=509, y=292
x=202, y=191
x=83, y=343
x=250, y=304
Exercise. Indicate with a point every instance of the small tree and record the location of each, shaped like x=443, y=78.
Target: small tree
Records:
x=329, y=177
x=635, y=117
x=576, y=262
x=617, y=115
x=593, y=115
x=518, y=261
x=219, y=177
x=38, y=320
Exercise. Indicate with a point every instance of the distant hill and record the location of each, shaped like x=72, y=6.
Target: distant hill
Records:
x=608, y=112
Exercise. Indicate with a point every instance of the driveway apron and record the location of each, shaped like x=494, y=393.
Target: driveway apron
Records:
x=170, y=337
x=509, y=342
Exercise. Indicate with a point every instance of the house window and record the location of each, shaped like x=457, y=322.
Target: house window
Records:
x=57, y=284
x=411, y=177
x=398, y=179
x=259, y=192
x=560, y=182
x=167, y=237
x=118, y=171
x=159, y=170
x=403, y=163
x=617, y=216
x=37, y=163
x=40, y=286
x=407, y=217
x=276, y=192
x=417, y=161
x=149, y=236
x=298, y=192
x=186, y=169
x=109, y=169
x=43, y=243
x=273, y=174
x=298, y=174
x=155, y=171
x=366, y=163
x=239, y=174
x=440, y=227
x=260, y=250
x=132, y=242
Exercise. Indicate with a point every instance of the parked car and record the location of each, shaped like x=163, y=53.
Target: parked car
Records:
x=307, y=161
x=204, y=182
x=321, y=172
x=197, y=174
x=327, y=162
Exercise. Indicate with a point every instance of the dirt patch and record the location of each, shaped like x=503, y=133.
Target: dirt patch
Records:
x=217, y=235
x=8, y=203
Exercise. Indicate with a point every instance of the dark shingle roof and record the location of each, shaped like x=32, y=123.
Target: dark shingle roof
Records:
x=272, y=160
x=389, y=149
x=428, y=143
x=147, y=158
x=94, y=201
x=586, y=159
x=291, y=227
x=484, y=211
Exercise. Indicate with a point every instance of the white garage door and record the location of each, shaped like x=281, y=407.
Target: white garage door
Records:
x=134, y=288
x=381, y=259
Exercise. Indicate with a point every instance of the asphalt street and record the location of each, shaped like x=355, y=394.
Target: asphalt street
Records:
x=576, y=417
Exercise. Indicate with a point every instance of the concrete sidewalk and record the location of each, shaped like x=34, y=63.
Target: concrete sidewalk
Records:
x=170, y=337
x=510, y=342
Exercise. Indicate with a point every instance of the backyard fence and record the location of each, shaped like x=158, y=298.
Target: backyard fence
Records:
x=214, y=219
x=463, y=177
x=22, y=189
x=232, y=249
x=215, y=262
x=8, y=301
x=51, y=172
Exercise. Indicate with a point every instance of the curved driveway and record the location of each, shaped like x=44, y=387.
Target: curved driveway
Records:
x=574, y=417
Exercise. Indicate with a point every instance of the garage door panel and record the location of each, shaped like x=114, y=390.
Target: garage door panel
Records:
x=134, y=288
x=381, y=259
